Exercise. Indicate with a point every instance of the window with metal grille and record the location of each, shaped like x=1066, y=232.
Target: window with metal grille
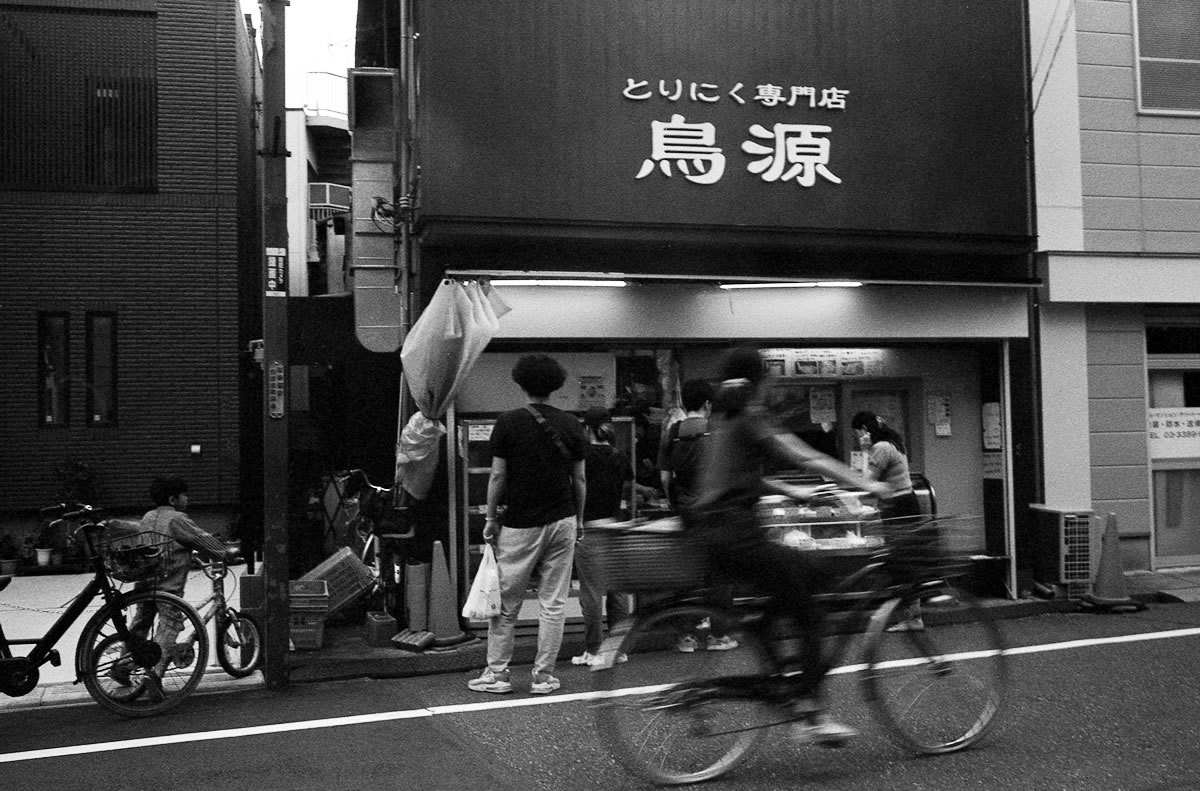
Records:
x=1168, y=56
x=54, y=372
x=101, y=369
x=78, y=96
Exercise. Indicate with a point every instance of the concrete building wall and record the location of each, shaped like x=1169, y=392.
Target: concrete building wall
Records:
x=1116, y=371
x=1141, y=173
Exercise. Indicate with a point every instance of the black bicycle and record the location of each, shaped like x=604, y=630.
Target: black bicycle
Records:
x=130, y=656
x=674, y=718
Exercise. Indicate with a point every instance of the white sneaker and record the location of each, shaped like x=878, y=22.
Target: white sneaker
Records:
x=543, y=684
x=823, y=732
x=725, y=643
x=586, y=658
x=687, y=644
x=490, y=681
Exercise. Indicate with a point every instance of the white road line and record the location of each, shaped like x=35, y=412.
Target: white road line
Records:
x=493, y=705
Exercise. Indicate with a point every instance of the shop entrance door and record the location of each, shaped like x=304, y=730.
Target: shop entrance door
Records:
x=1173, y=438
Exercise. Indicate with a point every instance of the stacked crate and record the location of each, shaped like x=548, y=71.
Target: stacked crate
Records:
x=308, y=607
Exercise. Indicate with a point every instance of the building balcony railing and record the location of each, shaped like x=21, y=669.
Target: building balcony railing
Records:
x=325, y=94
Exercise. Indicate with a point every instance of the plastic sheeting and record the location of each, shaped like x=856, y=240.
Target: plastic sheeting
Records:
x=438, y=354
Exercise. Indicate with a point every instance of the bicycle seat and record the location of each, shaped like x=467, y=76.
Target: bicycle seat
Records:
x=4, y=580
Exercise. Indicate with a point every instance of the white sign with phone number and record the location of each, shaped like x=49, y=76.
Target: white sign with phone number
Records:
x=1173, y=432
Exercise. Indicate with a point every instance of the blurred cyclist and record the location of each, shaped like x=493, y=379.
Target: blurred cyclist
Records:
x=744, y=435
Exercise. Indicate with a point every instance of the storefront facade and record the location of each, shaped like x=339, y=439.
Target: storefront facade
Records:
x=682, y=148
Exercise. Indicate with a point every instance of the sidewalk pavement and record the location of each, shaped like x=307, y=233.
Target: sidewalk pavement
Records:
x=24, y=611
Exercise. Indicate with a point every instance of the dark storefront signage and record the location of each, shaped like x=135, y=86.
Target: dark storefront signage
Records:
x=869, y=118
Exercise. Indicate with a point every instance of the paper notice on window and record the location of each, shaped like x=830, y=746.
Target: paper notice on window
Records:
x=993, y=427
x=822, y=405
x=1173, y=432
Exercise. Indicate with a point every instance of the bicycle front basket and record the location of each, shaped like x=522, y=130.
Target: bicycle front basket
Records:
x=655, y=556
x=131, y=554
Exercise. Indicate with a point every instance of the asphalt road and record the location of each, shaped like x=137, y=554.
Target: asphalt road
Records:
x=1118, y=710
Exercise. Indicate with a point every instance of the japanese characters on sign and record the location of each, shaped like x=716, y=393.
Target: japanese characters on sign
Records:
x=276, y=285
x=1173, y=432
x=782, y=152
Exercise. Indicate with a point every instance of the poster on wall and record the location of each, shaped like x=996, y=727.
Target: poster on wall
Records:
x=592, y=392
x=1173, y=432
x=822, y=404
x=937, y=413
x=860, y=362
x=815, y=362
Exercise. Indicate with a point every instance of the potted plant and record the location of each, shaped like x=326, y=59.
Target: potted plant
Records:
x=46, y=544
x=10, y=554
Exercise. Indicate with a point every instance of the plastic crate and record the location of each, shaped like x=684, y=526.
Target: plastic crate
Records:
x=347, y=576
x=308, y=606
x=307, y=636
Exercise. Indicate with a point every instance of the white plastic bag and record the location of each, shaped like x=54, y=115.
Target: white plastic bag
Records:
x=483, y=601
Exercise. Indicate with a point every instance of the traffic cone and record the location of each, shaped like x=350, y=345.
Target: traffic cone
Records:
x=443, y=604
x=416, y=596
x=1108, y=591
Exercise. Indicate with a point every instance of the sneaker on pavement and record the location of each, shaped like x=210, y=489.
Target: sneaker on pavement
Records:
x=586, y=658
x=491, y=681
x=687, y=644
x=724, y=643
x=910, y=625
x=543, y=684
x=821, y=731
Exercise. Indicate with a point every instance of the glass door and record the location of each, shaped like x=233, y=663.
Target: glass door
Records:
x=1173, y=438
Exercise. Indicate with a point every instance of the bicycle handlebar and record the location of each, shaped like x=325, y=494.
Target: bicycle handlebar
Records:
x=64, y=512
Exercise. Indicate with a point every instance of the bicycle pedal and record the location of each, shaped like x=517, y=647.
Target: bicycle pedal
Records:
x=55, y=659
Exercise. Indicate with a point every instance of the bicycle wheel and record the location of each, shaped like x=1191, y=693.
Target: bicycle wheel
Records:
x=657, y=717
x=942, y=688
x=239, y=643
x=140, y=676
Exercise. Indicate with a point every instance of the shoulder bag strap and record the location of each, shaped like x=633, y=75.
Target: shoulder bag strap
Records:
x=550, y=432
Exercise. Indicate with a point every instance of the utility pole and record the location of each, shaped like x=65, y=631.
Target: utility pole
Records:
x=275, y=346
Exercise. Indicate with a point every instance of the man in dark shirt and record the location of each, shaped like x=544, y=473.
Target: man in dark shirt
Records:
x=609, y=474
x=538, y=476
x=682, y=448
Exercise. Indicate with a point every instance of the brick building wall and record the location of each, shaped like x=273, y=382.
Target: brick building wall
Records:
x=170, y=264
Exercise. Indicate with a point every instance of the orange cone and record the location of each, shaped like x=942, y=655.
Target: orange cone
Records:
x=443, y=604
x=1108, y=591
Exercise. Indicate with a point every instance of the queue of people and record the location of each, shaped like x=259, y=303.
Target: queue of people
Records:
x=551, y=476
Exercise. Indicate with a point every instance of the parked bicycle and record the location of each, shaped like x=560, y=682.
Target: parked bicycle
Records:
x=373, y=522
x=674, y=718
x=238, y=636
x=134, y=674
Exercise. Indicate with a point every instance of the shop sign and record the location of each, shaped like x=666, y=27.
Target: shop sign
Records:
x=1173, y=432
x=872, y=116
x=782, y=152
x=825, y=363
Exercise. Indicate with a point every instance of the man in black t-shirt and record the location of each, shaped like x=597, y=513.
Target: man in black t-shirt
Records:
x=682, y=448
x=538, y=476
x=680, y=461
x=609, y=474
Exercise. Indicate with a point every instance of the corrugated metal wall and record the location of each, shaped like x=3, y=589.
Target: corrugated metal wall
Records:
x=166, y=263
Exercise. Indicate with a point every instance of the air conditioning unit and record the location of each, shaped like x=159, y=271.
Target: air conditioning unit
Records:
x=1063, y=549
